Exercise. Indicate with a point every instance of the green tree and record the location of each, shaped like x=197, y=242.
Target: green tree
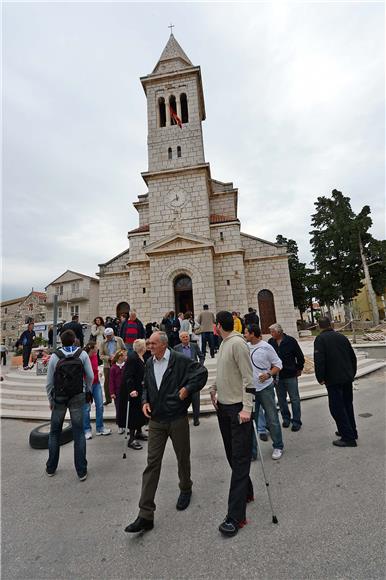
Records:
x=340, y=244
x=298, y=274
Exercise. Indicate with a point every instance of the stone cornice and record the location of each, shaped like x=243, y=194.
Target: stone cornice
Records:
x=147, y=175
x=265, y=258
x=145, y=262
x=226, y=252
x=120, y=273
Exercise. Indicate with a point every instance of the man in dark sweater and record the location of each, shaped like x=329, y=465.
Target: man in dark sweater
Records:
x=26, y=340
x=292, y=358
x=76, y=327
x=336, y=367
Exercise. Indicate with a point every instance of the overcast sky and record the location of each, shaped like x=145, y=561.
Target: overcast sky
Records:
x=294, y=96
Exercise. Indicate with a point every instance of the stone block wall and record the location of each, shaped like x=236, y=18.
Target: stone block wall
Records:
x=230, y=241
x=189, y=138
x=192, y=217
x=255, y=247
x=272, y=275
x=230, y=284
x=113, y=289
x=223, y=204
x=140, y=290
x=164, y=269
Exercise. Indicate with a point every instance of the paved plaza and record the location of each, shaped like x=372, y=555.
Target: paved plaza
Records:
x=329, y=502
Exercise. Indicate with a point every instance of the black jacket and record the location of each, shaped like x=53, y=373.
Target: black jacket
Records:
x=196, y=353
x=26, y=338
x=75, y=327
x=290, y=355
x=181, y=372
x=334, y=358
x=132, y=380
x=251, y=318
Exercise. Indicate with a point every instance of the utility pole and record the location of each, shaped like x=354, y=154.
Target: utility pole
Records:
x=369, y=285
x=55, y=325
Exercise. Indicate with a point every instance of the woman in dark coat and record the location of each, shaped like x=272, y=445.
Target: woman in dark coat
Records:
x=131, y=394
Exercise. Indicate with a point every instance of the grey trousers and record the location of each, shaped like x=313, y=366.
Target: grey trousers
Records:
x=178, y=431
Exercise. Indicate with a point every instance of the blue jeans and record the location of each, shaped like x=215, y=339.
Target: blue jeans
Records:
x=75, y=405
x=207, y=337
x=289, y=386
x=266, y=399
x=96, y=390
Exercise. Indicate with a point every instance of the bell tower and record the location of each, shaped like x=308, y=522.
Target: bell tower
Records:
x=175, y=111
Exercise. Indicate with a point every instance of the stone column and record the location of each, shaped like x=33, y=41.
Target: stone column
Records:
x=178, y=102
x=167, y=112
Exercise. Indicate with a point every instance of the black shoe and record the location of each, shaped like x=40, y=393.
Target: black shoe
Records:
x=106, y=403
x=229, y=527
x=140, y=525
x=263, y=436
x=295, y=427
x=141, y=437
x=341, y=443
x=339, y=435
x=196, y=422
x=286, y=424
x=134, y=445
x=183, y=500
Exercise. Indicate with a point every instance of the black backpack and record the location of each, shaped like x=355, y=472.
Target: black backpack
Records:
x=68, y=375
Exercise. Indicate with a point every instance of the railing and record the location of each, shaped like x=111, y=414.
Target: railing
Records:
x=69, y=296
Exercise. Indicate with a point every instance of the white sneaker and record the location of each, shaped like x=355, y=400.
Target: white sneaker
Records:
x=104, y=432
x=121, y=430
x=277, y=453
x=88, y=435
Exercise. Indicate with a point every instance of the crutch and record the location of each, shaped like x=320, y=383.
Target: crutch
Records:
x=126, y=429
x=274, y=518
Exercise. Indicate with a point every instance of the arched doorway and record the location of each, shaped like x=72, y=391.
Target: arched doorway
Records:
x=123, y=308
x=266, y=310
x=183, y=294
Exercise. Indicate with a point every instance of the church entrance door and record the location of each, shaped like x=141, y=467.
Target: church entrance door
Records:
x=183, y=294
x=266, y=310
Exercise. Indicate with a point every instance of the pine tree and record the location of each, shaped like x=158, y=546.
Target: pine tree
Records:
x=298, y=274
x=340, y=244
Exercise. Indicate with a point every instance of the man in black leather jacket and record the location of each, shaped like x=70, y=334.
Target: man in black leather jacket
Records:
x=336, y=367
x=170, y=380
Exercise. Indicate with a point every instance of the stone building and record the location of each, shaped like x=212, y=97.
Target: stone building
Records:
x=77, y=294
x=188, y=249
x=17, y=312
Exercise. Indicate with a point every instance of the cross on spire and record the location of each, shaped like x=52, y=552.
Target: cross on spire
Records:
x=171, y=26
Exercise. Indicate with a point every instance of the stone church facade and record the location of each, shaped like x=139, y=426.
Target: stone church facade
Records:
x=188, y=249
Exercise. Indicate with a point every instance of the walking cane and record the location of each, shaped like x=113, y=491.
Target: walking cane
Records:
x=274, y=518
x=126, y=429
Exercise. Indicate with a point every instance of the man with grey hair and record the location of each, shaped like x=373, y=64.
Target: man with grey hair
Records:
x=191, y=350
x=292, y=358
x=169, y=382
x=131, y=329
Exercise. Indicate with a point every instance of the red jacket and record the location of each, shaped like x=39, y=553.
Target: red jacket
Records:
x=94, y=364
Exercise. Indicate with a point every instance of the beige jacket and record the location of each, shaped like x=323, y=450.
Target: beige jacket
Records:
x=234, y=372
x=206, y=320
x=104, y=352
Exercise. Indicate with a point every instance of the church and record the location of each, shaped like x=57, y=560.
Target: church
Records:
x=188, y=249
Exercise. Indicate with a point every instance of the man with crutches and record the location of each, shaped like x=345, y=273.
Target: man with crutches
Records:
x=266, y=364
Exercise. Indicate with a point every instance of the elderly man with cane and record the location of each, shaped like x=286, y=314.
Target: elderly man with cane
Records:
x=169, y=382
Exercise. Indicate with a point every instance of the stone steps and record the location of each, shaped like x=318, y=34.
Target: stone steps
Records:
x=23, y=394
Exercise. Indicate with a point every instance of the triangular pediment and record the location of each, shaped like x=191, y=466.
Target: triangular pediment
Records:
x=179, y=243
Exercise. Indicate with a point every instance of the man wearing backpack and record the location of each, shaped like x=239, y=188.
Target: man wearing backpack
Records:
x=69, y=380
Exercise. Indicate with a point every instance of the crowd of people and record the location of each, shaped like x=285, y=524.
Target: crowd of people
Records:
x=153, y=372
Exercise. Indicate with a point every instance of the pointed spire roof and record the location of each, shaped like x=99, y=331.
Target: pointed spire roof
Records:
x=173, y=51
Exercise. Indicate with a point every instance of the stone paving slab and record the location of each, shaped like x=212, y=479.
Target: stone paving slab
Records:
x=329, y=502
